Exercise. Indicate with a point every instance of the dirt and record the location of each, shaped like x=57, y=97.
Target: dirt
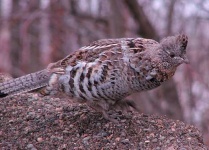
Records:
x=31, y=122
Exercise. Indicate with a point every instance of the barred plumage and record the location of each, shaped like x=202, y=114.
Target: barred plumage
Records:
x=105, y=72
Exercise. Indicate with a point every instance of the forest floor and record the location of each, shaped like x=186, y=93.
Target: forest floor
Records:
x=30, y=122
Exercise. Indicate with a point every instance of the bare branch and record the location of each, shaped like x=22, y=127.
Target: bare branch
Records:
x=146, y=28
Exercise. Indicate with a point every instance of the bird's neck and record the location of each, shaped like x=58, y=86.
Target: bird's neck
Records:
x=165, y=74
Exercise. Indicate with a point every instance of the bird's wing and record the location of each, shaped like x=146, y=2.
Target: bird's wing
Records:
x=103, y=49
x=89, y=53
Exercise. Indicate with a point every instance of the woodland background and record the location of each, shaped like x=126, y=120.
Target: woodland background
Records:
x=34, y=33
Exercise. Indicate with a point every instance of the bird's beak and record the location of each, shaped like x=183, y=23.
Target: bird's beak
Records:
x=185, y=60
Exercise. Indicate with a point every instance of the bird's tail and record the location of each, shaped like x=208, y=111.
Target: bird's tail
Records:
x=25, y=83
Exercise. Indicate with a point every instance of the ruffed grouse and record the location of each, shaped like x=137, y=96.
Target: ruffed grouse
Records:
x=104, y=73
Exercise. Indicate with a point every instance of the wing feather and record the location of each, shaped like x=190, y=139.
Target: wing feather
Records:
x=94, y=50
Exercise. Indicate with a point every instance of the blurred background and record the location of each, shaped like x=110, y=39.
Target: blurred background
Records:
x=34, y=33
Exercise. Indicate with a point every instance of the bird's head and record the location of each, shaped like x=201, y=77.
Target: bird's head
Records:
x=174, y=47
x=170, y=53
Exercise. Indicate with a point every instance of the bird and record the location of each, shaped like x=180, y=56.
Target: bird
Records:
x=103, y=73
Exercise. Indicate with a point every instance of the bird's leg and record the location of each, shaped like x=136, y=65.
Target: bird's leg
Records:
x=125, y=105
x=103, y=111
x=107, y=116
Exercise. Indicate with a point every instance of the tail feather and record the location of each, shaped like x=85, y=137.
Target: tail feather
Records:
x=25, y=83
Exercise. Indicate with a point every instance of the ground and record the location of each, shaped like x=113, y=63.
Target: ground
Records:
x=31, y=122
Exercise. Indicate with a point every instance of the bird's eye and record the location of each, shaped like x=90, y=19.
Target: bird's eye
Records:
x=172, y=54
